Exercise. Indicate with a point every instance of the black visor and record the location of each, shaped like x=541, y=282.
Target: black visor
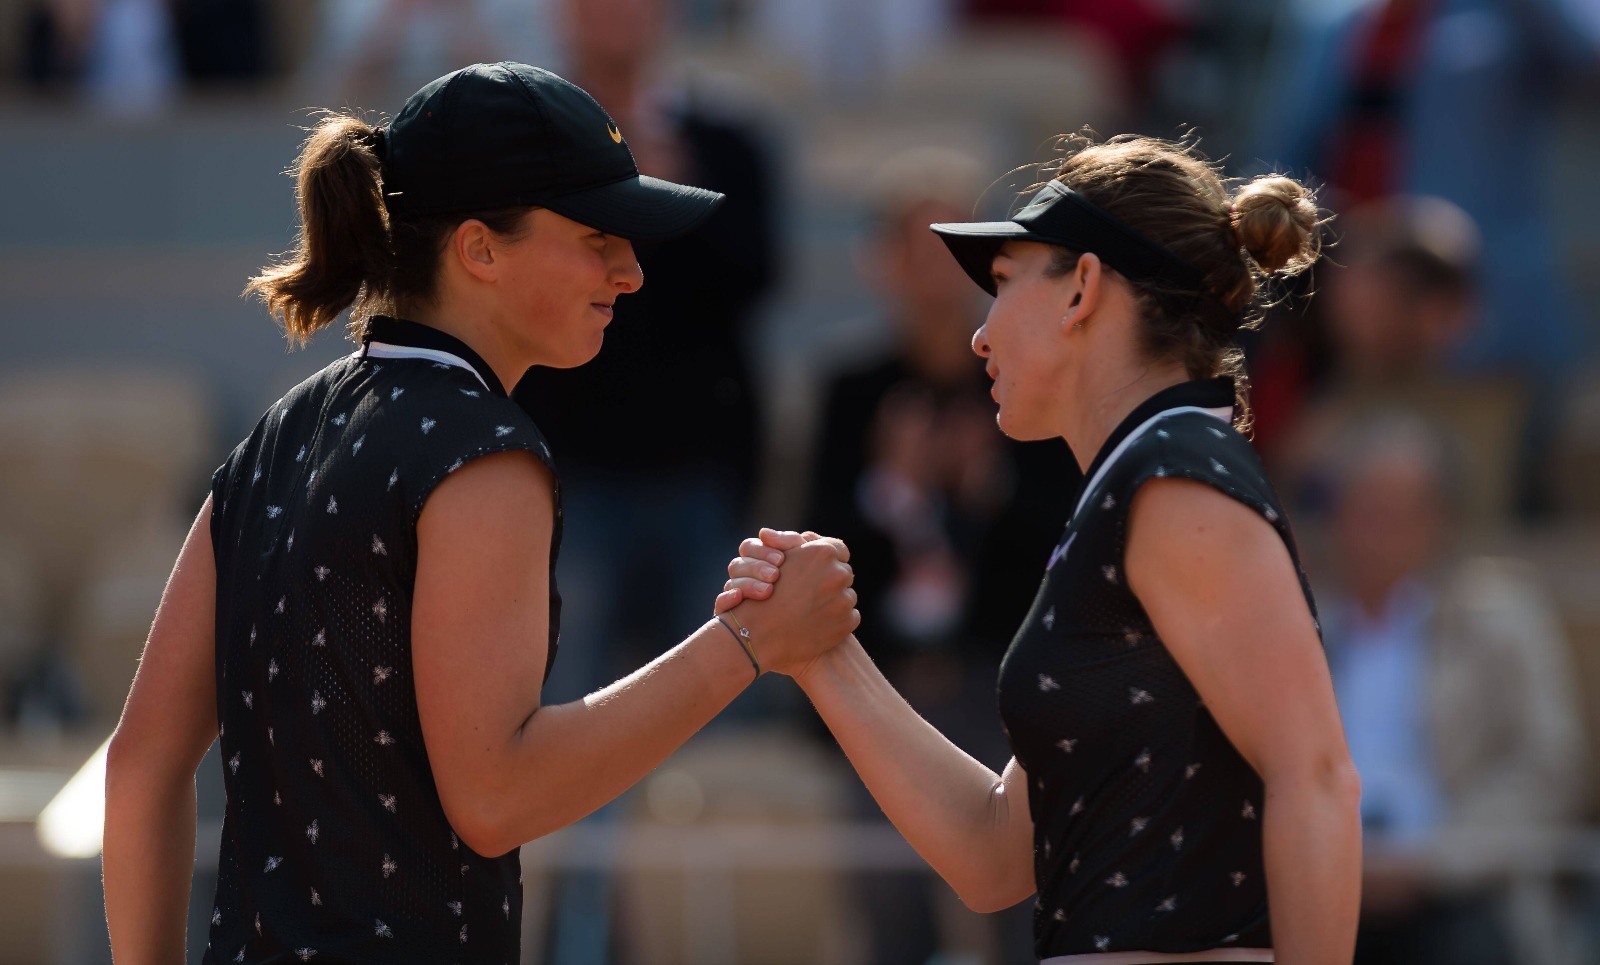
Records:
x=1058, y=215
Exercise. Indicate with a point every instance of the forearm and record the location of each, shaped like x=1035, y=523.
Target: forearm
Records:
x=1313, y=861
x=954, y=811
x=570, y=759
x=148, y=863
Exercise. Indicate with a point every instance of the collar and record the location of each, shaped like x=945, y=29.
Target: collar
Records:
x=400, y=333
x=1215, y=393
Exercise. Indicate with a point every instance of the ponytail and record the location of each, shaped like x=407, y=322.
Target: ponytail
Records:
x=342, y=256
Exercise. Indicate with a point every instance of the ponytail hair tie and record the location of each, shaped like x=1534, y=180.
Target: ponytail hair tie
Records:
x=379, y=140
x=1233, y=224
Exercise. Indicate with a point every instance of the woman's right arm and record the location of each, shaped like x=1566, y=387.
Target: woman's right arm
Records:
x=168, y=723
x=971, y=825
x=510, y=770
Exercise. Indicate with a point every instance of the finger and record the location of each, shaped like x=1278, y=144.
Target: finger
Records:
x=780, y=538
x=751, y=589
x=754, y=547
x=839, y=548
x=727, y=600
x=754, y=569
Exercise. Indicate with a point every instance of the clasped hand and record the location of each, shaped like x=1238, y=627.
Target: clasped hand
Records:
x=810, y=613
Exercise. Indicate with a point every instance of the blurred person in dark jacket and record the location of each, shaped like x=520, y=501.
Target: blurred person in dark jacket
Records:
x=1396, y=306
x=1455, y=685
x=1455, y=99
x=948, y=520
x=671, y=388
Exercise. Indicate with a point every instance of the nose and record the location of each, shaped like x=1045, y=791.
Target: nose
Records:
x=980, y=341
x=626, y=275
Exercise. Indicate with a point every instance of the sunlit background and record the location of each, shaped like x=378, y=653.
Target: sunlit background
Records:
x=1432, y=415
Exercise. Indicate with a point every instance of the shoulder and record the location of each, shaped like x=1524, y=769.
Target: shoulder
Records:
x=435, y=419
x=446, y=406
x=1201, y=448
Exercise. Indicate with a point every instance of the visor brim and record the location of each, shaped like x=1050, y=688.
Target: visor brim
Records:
x=639, y=208
x=975, y=243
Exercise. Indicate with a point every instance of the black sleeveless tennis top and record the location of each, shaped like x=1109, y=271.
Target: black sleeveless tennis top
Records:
x=335, y=847
x=1147, y=822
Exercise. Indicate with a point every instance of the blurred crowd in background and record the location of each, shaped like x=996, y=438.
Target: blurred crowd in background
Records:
x=1428, y=399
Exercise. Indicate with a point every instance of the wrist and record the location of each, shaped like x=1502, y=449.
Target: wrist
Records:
x=830, y=665
x=741, y=638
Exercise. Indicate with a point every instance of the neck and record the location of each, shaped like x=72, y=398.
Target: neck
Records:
x=1104, y=401
x=508, y=364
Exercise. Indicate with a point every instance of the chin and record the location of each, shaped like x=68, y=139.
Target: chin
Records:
x=582, y=354
x=1014, y=430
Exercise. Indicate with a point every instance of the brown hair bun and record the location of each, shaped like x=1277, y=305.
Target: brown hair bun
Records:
x=1276, y=218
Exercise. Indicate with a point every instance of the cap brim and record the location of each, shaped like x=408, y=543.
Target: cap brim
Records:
x=975, y=243
x=639, y=208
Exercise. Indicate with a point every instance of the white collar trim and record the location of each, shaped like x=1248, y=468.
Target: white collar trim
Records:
x=386, y=350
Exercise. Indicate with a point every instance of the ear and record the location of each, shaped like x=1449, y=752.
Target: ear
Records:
x=471, y=245
x=1082, y=296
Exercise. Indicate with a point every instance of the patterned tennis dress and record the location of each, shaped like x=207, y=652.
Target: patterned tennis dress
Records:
x=1147, y=821
x=335, y=847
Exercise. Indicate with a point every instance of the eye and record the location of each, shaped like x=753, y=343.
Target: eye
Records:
x=999, y=278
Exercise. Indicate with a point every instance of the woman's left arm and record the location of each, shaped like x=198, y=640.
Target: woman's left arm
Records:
x=1222, y=591
x=168, y=724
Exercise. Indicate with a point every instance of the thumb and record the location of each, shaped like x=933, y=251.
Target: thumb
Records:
x=727, y=600
x=781, y=539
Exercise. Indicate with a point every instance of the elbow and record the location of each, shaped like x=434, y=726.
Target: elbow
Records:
x=998, y=893
x=482, y=836
x=989, y=902
x=1331, y=777
x=493, y=821
x=128, y=758
x=481, y=823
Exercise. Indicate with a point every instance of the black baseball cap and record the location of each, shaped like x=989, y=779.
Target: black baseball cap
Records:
x=501, y=135
x=1058, y=215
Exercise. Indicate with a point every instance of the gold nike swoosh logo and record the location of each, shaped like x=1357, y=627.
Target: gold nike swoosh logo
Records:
x=616, y=135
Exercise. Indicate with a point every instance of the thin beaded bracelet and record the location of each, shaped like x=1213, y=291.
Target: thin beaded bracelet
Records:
x=742, y=635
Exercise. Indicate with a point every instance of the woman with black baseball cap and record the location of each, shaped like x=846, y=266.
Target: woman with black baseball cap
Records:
x=1180, y=790
x=366, y=607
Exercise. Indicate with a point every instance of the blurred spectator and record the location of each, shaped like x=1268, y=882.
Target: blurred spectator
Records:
x=223, y=41
x=1137, y=32
x=949, y=523
x=1452, y=98
x=122, y=54
x=848, y=47
x=133, y=56
x=659, y=436
x=367, y=50
x=1394, y=310
x=1455, y=688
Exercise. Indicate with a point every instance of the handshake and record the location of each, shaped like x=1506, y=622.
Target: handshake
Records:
x=786, y=628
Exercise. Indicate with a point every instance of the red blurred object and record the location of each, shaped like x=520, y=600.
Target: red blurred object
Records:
x=1365, y=161
x=1136, y=31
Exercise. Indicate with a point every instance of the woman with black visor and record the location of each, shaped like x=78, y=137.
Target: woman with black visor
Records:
x=1181, y=790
